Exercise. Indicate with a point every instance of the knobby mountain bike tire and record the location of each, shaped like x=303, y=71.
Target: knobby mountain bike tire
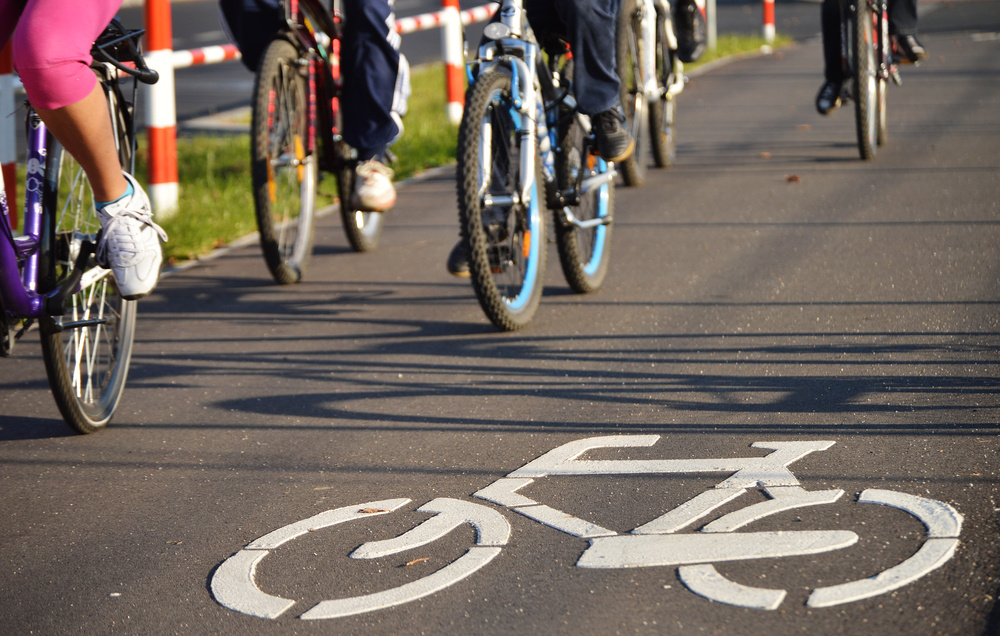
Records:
x=662, y=141
x=284, y=170
x=628, y=58
x=363, y=229
x=584, y=252
x=504, y=236
x=87, y=353
x=865, y=80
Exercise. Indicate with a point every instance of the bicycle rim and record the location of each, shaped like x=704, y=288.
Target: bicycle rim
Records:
x=505, y=238
x=285, y=169
x=87, y=359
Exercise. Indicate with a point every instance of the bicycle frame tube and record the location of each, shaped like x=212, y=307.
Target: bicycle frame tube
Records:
x=20, y=293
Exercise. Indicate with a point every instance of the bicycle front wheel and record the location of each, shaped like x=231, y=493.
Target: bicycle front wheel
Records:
x=284, y=168
x=628, y=57
x=584, y=239
x=88, y=350
x=504, y=234
x=865, y=80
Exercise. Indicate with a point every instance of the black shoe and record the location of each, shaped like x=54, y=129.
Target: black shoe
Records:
x=458, y=261
x=828, y=99
x=691, y=31
x=614, y=141
x=909, y=50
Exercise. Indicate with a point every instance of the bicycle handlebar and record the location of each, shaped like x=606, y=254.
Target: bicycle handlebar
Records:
x=118, y=47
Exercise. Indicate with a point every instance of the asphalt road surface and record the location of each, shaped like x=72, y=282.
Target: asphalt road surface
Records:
x=788, y=384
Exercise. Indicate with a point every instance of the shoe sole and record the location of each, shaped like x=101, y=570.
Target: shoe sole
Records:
x=624, y=155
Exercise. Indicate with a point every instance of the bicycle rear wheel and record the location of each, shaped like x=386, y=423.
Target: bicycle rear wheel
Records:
x=503, y=234
x=663, y=111
x=88, y=350
x=584, y=242
x=363, y=229
x=628, y=58
x=284, y=170
x=865, y=80
x=882, y=134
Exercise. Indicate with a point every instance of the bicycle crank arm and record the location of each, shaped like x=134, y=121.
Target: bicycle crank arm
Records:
x=585, y=225
x=55, y=303
x=597, y=181
x=637, y=551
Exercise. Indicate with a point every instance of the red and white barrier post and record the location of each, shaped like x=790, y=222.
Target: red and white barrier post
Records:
x=8, y=132
x=768, y=30
x=454, y=60
x=161, y=115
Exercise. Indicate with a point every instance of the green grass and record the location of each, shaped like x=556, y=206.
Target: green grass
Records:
x=216, y=202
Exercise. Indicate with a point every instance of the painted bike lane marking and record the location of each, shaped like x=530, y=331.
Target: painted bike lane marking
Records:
x=653, y=544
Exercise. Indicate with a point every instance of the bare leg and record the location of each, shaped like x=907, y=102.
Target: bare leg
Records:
x=84, y=129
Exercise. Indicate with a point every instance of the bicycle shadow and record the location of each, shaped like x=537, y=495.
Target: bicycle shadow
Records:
x=16, y=428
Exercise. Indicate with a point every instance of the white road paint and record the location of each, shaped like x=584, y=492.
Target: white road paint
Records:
x=941, y=519
x=652, y=550
x=468, y=563
x=706, y=581
x=748, y=472
x=943, y=523
x=932, y=555
x=782, y=499
x=504, y=493
x=562, y=521
x=690, y=511
x=491, y=528
x=656, y=543
x=234, y=585
x=326, y=519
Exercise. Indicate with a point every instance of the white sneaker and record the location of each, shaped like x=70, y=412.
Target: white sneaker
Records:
x=373, y=189
x=130, y=243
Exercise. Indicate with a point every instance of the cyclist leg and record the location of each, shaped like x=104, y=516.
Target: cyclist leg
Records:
x=375, y=87
x=590, y=29
x=828, y=98
x=52, y=54
x=52, y=43
x=903, y=26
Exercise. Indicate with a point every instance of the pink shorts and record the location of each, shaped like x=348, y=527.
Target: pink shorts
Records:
x=52, y=42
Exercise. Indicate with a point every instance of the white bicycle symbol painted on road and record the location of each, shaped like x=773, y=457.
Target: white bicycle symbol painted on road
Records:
x=656, y=543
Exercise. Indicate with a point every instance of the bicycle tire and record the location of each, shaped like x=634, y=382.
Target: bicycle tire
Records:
x=865, y=81
x=363, y=229
x=628, y=59
x=506, y=244
x=584, y=253
x=284, y=170
x=87, y=355
x=882, y=86
x=663, y=111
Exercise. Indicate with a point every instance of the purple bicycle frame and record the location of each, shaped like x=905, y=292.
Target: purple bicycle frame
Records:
x=19, y=296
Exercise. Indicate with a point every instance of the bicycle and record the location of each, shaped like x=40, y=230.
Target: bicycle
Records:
x=652, y=75
x=869, y=63
x=522, y=146
x=660, y=542
x=296, y=135
x=49, y=273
